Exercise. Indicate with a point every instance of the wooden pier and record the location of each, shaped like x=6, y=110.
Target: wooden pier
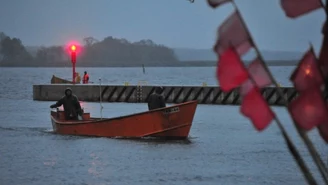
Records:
x=140, y=94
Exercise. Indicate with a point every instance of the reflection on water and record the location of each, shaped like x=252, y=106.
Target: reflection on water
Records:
x=50, y=162
x=96, y=166
x=84, y=105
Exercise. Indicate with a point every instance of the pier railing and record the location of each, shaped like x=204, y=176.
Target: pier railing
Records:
x=140, y=93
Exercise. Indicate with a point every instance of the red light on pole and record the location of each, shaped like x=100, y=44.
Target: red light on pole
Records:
x=73, y=53
x=73, y=48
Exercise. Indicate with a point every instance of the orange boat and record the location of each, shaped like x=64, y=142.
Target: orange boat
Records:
x=172, y=122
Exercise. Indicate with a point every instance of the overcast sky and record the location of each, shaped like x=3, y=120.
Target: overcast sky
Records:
x=175, y=23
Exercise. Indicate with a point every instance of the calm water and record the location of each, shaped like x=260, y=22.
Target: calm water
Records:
x=223, y=147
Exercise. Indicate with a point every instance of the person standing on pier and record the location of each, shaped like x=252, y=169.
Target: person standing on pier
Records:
x=85, y=77
x=77, y=78
x=156, y=100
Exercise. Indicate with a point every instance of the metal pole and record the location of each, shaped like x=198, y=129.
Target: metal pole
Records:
x=100, y=99
x=73, y=72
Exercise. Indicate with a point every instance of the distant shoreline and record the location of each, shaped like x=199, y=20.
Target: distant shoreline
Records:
x=178, y=64
x=114, y=52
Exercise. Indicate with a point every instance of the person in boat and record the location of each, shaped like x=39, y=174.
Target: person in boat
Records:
x=156, y=100
x=77, y=78
x=85, y=77
x=71, y=104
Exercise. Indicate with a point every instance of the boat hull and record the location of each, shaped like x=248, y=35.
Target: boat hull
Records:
x=57, y=80
x=172, y=122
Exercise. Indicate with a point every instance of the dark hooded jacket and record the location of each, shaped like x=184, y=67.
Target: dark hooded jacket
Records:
x=71, y=105
x=156, y=100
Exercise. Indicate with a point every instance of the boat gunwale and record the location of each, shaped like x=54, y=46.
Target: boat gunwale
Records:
x=64, y=81
x=100, y=120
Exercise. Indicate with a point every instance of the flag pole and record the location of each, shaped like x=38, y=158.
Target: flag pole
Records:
x=290, y=145
x=292, y=148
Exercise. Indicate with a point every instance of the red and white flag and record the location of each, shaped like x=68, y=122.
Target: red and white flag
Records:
x=296, y=8
x=256, y=109
x=307, y=74
x=216, y=3
x=259, y=75
x=231, y=72
x=233, y=33
x=309, y=109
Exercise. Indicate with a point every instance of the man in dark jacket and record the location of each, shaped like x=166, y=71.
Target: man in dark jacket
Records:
x=156, y=100
x=71, y=105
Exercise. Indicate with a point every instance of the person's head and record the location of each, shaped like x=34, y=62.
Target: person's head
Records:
x=85, y=72
x=68, y=92
x=158, y=90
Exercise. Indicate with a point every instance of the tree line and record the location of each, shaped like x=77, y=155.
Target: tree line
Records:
x=108, y=52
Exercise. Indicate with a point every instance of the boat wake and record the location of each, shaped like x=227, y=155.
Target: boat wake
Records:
x=26, y=129
x=49, y=131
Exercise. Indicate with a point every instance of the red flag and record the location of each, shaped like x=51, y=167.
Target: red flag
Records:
x=258, y=74
x=256, y=109
x=296, y=8
x=309, y=108
x=307, y=74
x=233, y=33
x=231, y=72
x=216, y=3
